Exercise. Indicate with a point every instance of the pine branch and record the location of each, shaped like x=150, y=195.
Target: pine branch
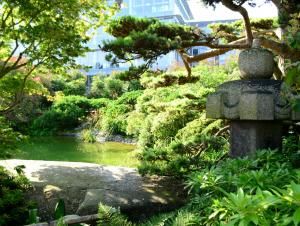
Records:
x=239, y=8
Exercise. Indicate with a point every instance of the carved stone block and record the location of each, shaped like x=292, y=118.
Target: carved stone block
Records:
x=256, y=106
x=214, y=106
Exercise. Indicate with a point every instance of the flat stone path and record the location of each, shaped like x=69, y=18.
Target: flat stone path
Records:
x=84, y=185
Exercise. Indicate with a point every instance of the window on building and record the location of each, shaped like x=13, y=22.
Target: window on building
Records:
x=195, y=52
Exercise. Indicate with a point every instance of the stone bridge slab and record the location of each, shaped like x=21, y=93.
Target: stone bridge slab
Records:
x=84, y=185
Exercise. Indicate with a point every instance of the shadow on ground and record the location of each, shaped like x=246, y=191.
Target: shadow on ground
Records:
x=84, y=185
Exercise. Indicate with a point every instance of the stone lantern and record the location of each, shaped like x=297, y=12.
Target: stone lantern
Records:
x=254, y=105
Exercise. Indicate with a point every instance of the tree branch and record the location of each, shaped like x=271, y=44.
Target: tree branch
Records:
x=20, y=93
x=238, y=8
x=206, y=55
x=10, y=56
x=4, y=19
x=222, y=130
x=280, y=49
x=183, y=55
x=215, y=52
x=240, y=43
x=15, y=66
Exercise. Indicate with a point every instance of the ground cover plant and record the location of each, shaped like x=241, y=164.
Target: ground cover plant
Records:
x=14, y=208
x=9, y=139
x=260, y=190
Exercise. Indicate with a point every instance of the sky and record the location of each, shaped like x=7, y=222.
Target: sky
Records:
x=204, y=13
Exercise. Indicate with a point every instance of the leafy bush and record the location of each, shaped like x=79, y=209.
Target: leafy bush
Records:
x=114, y=87
x=169, y=120
x=9, y=139
x=67, y=112
x=76, y=87
x=97, y=88
x=263, y=190
x=129, y=98
x=112, y=118
x=108, y=87
x=14, y=209
x=70, y=83
x=12, y=89
x=248, y=190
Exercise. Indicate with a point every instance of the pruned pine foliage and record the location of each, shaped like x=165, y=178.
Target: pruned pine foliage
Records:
x=146, y=38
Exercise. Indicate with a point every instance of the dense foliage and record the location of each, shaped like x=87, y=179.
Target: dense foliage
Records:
x=14, y=208
x=49, y=34
x=174, y=136
x=66, y=113
x=36, y=34
x=263, y=190
x=293, y=67
x=9, y=139
x=146, y=38
x=71, y=83
x=112, y=118
x=107, y=87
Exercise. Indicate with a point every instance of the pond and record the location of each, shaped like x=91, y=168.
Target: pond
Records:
x=73, y=150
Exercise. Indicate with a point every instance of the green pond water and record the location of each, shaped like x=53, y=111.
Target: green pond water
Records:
x=73, y=150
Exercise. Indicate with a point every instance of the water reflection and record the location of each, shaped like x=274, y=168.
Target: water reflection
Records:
x=73, y=150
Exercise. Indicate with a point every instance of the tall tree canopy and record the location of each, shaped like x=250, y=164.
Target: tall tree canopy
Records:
x=53, y=33
x=150, y=38
x=38, y=32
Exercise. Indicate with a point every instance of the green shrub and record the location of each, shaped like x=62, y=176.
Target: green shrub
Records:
x=66, y=113
x=108, y=87
x=134, y=129
x=75, y=87
x=173, y=134
x=129, y=98
x=112, y=118
x=14, y=208
x=98, y=103
x=9, y=139
x=88, y=136
x=114, y=87
x=262, y=190
x=240, y=191
x=72, y=83
x=97, y=87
